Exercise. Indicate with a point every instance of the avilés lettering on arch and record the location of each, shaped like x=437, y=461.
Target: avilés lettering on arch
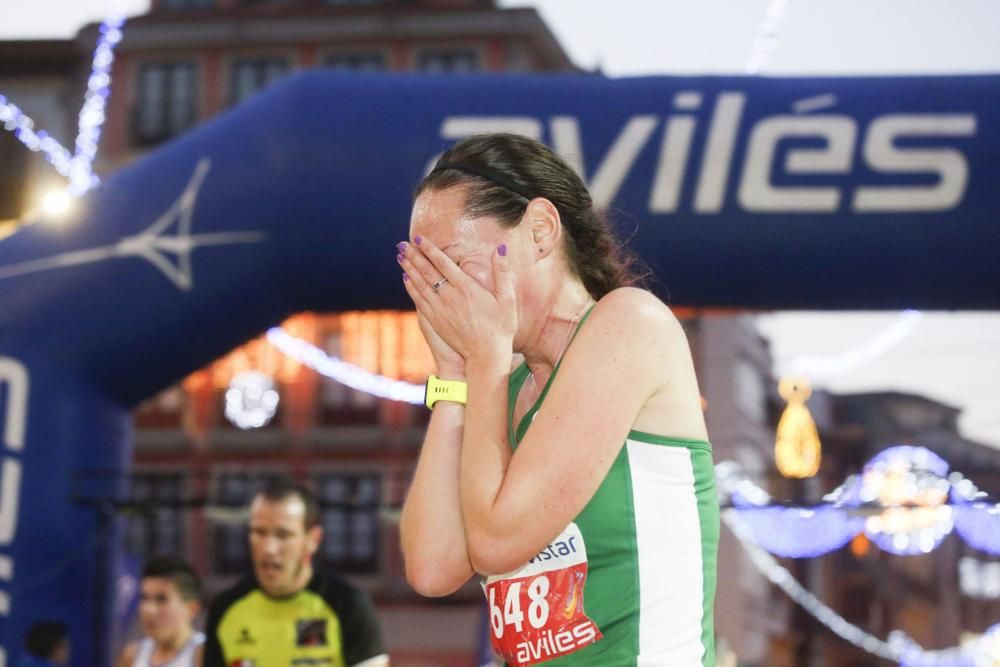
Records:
x=879, y=144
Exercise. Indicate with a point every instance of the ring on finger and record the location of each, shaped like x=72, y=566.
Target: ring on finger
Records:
x=439, y=284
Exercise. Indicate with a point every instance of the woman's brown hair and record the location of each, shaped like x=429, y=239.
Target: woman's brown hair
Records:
x=503, y=172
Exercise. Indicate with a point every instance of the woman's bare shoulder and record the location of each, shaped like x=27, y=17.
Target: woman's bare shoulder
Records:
x=635, y=307
x=653, y=341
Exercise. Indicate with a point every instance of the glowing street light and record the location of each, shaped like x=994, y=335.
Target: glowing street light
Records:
x=56, y=203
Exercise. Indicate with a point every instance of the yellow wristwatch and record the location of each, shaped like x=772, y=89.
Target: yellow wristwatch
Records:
x=444, y=390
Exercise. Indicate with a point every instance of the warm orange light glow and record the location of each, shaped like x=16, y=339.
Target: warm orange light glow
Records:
x=389, y=331
x=256, y=355
x=797, y=450
x=386, y=342
x=417, y=362
x=860, y=545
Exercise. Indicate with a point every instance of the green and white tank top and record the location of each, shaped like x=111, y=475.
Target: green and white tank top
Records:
x=631, y=580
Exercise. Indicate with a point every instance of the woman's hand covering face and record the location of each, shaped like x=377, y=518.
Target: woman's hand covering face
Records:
x=463, y=312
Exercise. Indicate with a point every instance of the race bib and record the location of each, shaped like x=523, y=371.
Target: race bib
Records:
x=536, y=612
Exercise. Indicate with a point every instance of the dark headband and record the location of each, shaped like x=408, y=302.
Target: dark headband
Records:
x=488, y=174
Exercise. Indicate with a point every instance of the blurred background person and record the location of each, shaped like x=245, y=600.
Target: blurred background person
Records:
x=288, y=612
x=169, y=602
x=46, y=645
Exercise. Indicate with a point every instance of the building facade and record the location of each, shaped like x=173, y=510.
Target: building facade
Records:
x=188, y=60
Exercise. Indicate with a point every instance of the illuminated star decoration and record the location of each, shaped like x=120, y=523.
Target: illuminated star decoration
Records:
x=905, y=502
x=898, y=647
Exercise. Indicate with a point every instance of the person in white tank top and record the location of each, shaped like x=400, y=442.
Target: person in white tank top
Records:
x=168, y=604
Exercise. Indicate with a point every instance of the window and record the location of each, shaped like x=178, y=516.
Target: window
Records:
x=461, y=60
x=250, y=75
x=349, y=514
x=340, y=404
x=234, y=490
x=357, y=62
x=167, y=101
x=157, y=524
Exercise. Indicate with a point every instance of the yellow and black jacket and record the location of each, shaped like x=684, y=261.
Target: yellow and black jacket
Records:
x=329, y=623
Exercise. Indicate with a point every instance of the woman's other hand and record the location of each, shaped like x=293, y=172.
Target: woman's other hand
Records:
x=449, y=363
x=469, y=318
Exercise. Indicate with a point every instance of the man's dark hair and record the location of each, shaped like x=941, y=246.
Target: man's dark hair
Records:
x=278, y=489
x=44, y=637
x=178, y=572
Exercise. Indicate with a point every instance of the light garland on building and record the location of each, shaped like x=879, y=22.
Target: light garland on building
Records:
x=251, y=400
x=797, y=532
x=23, y=128
x=823, y=368
x=905, y=502
x=976, y=519
x=340, y=371
x=76, y=167
x=899, y=647
x=92, y=115
x=911, y=484
x=767, y=37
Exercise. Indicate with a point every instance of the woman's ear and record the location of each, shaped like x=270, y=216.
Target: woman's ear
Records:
x=543, y=223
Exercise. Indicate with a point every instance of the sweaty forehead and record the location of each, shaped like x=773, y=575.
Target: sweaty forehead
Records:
x=441, y=217
x=438, y=213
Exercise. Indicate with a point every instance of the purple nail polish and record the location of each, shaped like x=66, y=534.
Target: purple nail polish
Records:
x=401, y=246
x=399, y=258
x=502, y=250
x=417, y=240
x=406, y=278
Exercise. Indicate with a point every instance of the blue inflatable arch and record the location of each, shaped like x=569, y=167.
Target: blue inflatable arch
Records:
x=755, y=193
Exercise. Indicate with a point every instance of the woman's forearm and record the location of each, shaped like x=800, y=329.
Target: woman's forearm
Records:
x=485, y=456
x=431, y=527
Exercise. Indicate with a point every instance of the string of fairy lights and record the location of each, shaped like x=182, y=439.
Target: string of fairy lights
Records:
x=767, y=36
x=898, y=647
x=76, y=165
x=764, y=529
x=905, y=501
x=797, y=447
